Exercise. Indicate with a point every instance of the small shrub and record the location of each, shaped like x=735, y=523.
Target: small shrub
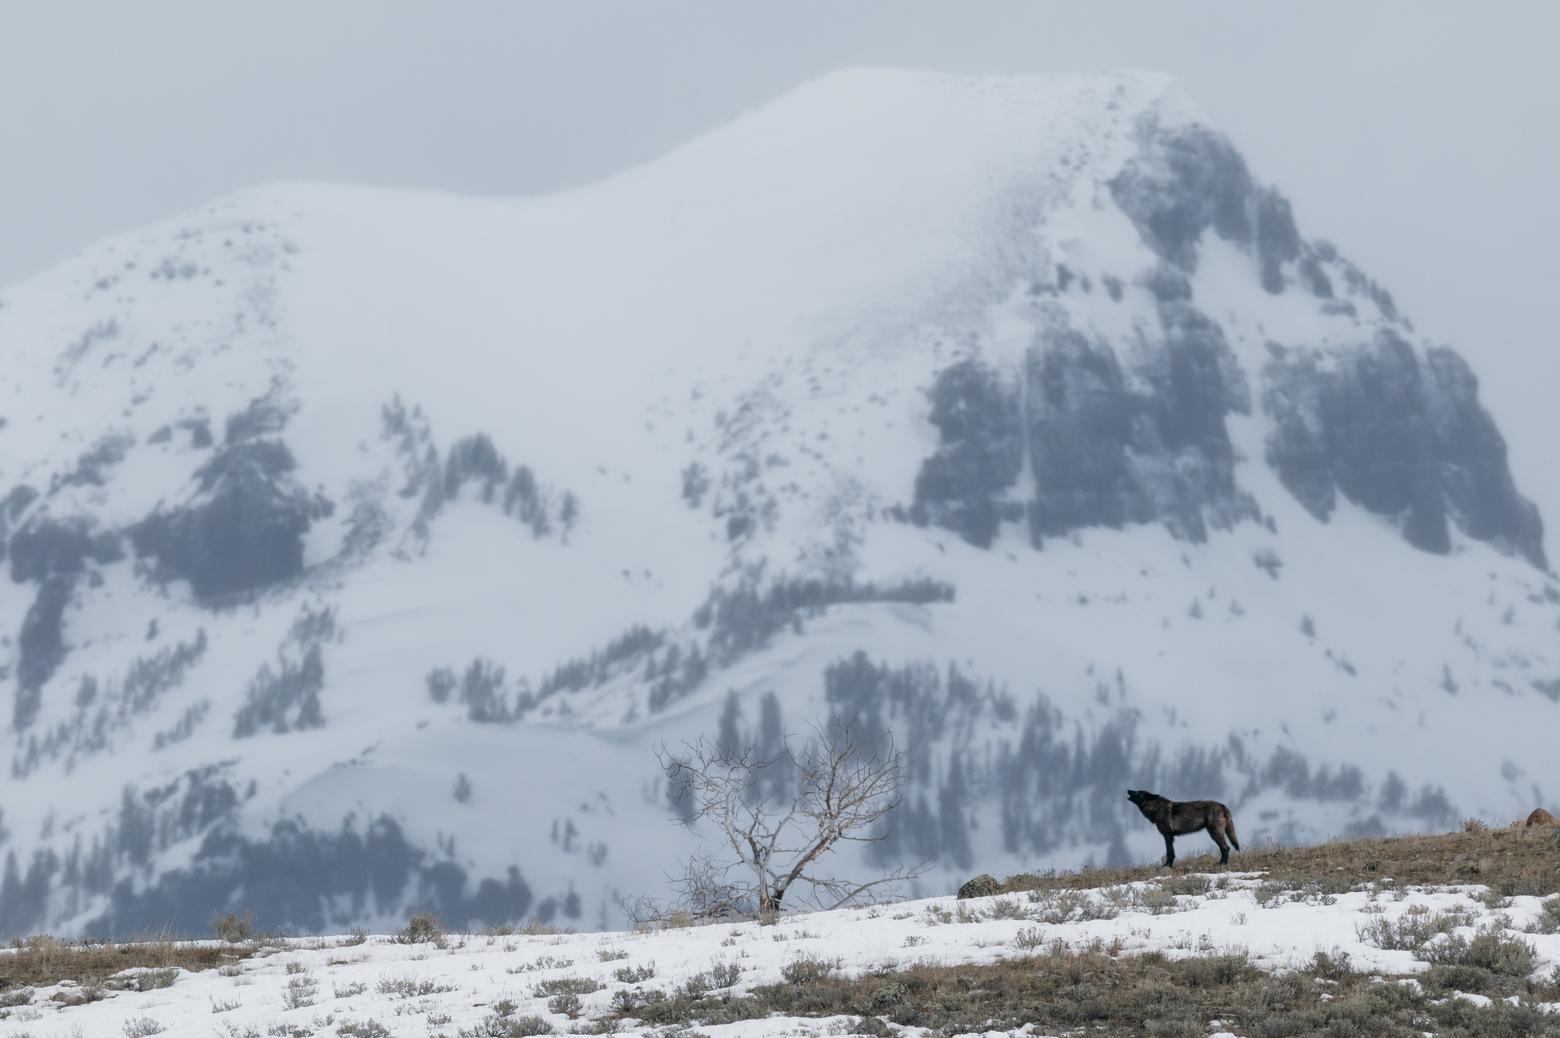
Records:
x=301, y=991
x=1336, y=966
x=411, y=987
x=363, y=1029
x=1189, y=885
x=564, y=986
x=546, y=962
x=1503, y=956
x=567, y=1003
x=809, y=968
x=153, y=980
x=90, y=992
x=1069, y=906
x=724, y=974
x=1029, y=938
x=626, y=1002
x=17, y=997
x=889, y=995
x=1157, y=901
x=142, y=1027
x=1212, y=971
x=634, y=974
x=695, y=987
x=938, y=914
x=1493, y=898
x=1006, y=908
x=509, y=1027
x=1412, y=929
x=233, y=928
x=352, y=990
x=1548, y=920
x=421, y=928
x=611, y=954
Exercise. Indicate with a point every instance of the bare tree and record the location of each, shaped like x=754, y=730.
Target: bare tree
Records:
x=781, y=815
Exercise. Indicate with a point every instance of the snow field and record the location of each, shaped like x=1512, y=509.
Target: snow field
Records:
x=330, y=986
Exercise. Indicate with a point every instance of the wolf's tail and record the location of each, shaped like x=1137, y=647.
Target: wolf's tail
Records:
x=1229, y=830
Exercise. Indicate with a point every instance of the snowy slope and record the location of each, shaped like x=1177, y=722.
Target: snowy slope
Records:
x=457, y=986
x=315, y=493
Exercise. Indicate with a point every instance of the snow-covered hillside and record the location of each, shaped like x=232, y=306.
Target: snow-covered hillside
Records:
x=362, y=546
x=515, y=984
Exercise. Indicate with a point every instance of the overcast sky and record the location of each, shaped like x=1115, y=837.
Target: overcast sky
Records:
x=1420, y=136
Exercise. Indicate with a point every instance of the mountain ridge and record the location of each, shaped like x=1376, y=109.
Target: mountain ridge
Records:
x=1065, y=457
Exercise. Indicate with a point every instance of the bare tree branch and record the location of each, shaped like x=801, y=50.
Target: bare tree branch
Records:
x=843, y=788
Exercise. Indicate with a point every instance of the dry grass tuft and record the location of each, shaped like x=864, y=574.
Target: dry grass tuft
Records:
x=44, y=960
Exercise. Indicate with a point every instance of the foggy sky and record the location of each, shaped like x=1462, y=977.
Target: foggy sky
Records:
x=1419, y=136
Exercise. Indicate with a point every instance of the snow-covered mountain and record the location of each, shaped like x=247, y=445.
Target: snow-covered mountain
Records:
x=361, y=546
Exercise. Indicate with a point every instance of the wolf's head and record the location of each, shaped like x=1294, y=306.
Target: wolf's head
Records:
x=1143, y=800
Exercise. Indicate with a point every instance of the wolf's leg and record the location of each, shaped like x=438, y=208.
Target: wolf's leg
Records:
x=1169, y=850
x=1217, y=832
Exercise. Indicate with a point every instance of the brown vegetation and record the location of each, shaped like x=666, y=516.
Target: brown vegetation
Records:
x=1092, y=992
x=1508, y=861
x=42, y=961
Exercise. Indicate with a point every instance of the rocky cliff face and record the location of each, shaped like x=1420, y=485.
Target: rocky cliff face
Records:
x=1401, y=434
x=1397, y=430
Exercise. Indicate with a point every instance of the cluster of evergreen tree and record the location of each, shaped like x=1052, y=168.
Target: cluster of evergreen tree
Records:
x=303, y=880
x=286, y=697
x=102, y=710
x=480, y=689
x=474, y=462
x=1050, y=781
x=243, y=529
x=745, y=618
x=54, y=553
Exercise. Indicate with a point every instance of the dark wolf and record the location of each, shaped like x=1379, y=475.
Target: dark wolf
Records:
x=1174, y=819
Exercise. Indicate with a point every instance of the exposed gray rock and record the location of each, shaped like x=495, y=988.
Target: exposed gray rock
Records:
x=1107, y=454
x=1080, y=419
x=984, y=885
x=1185, y=181
x=1189, y=180
x=1401, y=438
x=1476, y=482
x=982, y=452
x=1277, y=240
